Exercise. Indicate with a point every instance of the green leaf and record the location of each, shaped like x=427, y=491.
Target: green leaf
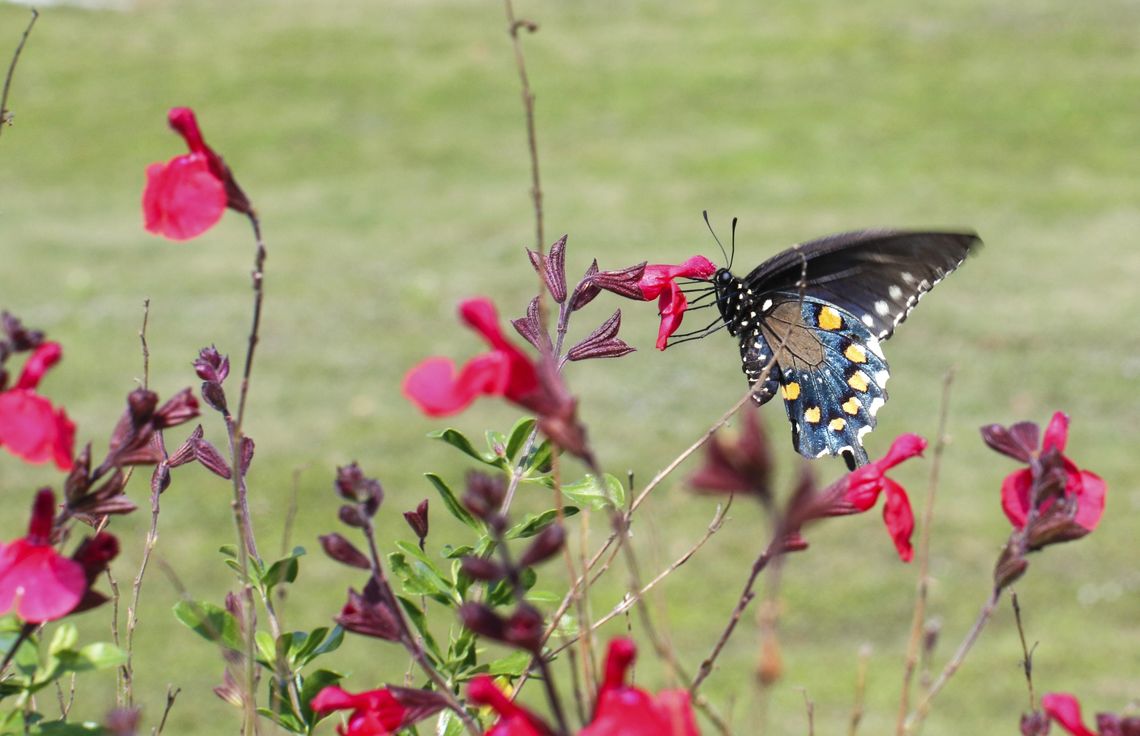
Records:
x=284, y=570
x=283, y=719
x=62, y=728
x=513, y=665
x=331, y=643
x=455, y=553
x=518, y=437
x=210, y=622
x=416, y=579
x=452, y=503
x=102, y=656
x=306, y=647
x=597, y=495
x=532, y=524
x=449, y=724
x=312, y=684
x=540, y=459
x=544, y=597
x=65, y=636
x=426, y=568
x=459, y=441
x=266, y=648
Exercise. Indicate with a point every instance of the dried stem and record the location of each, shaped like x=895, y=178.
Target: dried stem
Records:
x=145, y=347
x=5, y=115
x=858, y=707
x=914, y=644
x=955, y=663
x=171, y=694
x=513, y=27
x=258, y=279
x=1027, y=653
x=810, y=708
x=127, y=670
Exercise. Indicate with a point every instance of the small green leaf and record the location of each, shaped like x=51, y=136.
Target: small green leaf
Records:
x=532, y=524
x=211, y=622
x=597, y=495
x=416, y=616
x=418, y=579
x=312, y=684
x=449, y=724
x=519, y=435
x=266, y=648
x=284, y=570
x=285, y=720
x=65, y=636
x=539, y=461
x=459, y=441
x=62, y=728
x=452, y=503
x=102, y=655
x=513, y=665
x=545, y=597
x=455, y=553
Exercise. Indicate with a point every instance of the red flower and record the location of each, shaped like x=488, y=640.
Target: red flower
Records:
x=187, y=195
x=374, y=712
x=29, y=426
x=659, y=282
x=514, y=720
x=438, y=390
x=624, y=710
x=1083, y=489
x=859, y=490
x=1066, y=710
x=35, y=580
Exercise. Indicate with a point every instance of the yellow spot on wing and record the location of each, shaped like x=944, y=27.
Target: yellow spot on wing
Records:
x=812, y=415
x=858, y=381
x=855, y=354
x=837, y=425
x=791, y=391
x=829, y=319
x=851, y=406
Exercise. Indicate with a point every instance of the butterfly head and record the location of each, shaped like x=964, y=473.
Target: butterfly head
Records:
x=731, y=298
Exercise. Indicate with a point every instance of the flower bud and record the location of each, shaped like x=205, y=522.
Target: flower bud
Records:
x=340, y=549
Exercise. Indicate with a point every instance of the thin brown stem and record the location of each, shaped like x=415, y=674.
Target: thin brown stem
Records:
x=513, y=27
x=914, y=645
x=145, y=347
x=258, y=280
x=810, y=708
x=923, y=708
x=859, y=706
x=156, y=485
x=5, y=115
x=1027, y=653
x=171, y=695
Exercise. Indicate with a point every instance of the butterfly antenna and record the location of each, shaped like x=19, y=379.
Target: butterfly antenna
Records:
x=709, y=226
x=732, y=255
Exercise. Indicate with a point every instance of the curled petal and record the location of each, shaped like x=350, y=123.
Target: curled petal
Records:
x=1090, y=503
x=44, y=357
x=671, y=305
x=32, y=429
x=899, y=518
x=659, y=277
x=1057, y=433
x=1015, y=490
x=438, y=391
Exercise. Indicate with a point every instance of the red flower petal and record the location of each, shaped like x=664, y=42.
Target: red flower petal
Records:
x=904, y=447
x=39, y=583
x=438, y=391
x=183, y=197
x=1057, y=433
x=899, y=518
x=1090, y=503
x=1015, y=491
x=1066, y=710
x=33, y=430
x=677, y=705
x=658, y=277
x=44, y=357
x=374, y=712
x=514, y=720
x=671, y=305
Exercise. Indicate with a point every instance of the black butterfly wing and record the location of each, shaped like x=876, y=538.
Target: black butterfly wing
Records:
x=876, y=275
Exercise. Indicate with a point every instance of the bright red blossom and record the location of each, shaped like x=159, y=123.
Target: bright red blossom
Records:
x=658, y=282
x=30, y=427
x=1066, y=710
x=187, y=195
x=36, y=581
x=864, y=485
x=1085, y=488
x=625, y=710
x=374, y=712
x=514, y=720
x=436, y=388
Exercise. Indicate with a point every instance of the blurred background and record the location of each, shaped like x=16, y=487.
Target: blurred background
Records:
x=384, y=146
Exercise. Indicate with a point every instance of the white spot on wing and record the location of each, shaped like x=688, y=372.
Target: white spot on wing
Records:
x=766, y=305
x=907, y=277
x=882, y=308
x=868, y=320
x=876, y=404
x=863, y=432
x=895, y=292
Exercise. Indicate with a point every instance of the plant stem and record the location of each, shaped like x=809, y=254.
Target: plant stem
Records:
x=4, y=114
x=513, y=27
x=128, y=672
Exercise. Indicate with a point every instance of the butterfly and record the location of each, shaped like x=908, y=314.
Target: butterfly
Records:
x=810, y=321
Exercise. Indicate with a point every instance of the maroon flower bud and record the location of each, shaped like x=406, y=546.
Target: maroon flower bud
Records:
x=21, y=337
x=372, y=613
x=211, y=459
x=106, y=500
x=123, y=721
x=530, y=327
x=1034, y=724
x=340, y=549
x=483, y=569
x=418, y=520
x=602, y=342
x=352, y=485
x=740, y=466
x=1018, y=441
x=585, y=292
x=552, y=268
x=1110, y=724
x=525, y=628
x=484, y=495
x=624, y=282
x=212, y=366
x=78, y=479
x=185, y=452
x=215, y=396
x=1010, y=566
x=141, y=405
x=95, y=553
x=352, y=516
x=160, y=478
x=247, y=450
x=481, y=619
x=545, y=544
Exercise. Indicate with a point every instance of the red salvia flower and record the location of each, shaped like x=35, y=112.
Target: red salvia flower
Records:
x=187, y=195
x=374, y=712
x=30, y=427
x=436, y=388
x=1065, y=709
x=1082, y=488
x=37, y=582
x=514, y=720
x=625, y=710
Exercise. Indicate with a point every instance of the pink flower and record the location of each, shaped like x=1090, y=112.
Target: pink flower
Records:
x=1083, y=490
x=1065, y=709
x=374, y=712
x=514, y=720
x=187, y=195
x=859, y=490
x=656, y=281
x=30, y=427
x=436, y=388
x=625, y=710
x=35, y=580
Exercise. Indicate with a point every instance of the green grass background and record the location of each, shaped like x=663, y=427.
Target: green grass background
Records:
x=383, y=143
